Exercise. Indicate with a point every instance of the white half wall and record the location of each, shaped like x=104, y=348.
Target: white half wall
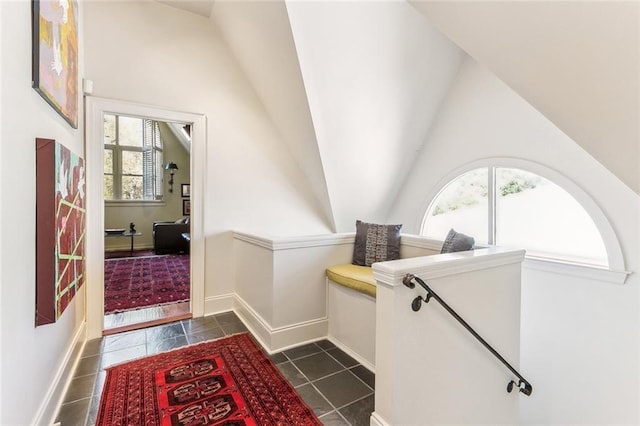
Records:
x=572, y=327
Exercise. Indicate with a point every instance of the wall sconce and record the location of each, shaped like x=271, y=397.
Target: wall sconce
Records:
x=172, y=167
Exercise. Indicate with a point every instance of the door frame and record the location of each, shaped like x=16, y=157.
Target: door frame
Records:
x=94, y=165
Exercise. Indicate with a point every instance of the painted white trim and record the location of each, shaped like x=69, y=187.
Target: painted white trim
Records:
x=218, y=304
x=420, y=241
x=288, y=243
x=95, y=108
x=48, y=410
x=280, y=338
x=602, y=223
x=390, y=273
x=583, y=271
x=352, y=354
x=377, y=420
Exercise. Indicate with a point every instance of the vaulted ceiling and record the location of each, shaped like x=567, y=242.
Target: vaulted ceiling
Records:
x=353, y=87
x=578, y=63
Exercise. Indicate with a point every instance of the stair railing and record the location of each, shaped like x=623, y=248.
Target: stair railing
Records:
x=523, y=385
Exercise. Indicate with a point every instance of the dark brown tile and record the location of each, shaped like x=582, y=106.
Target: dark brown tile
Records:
x=100, y=378
x=365, y=375
x=94, y=406
x=314, y=400
x=73, y=413
x=93, y=347
x=227, y=318
x=325, y=344
x=157, y=346
x=198, y=325
x=233, y=328
x=342, y=357
x=212, y=334
x=278, y=358
x=292, y=374
x=359, y=413
x=301, y=351
x=317, y=365
x=164, y=332
x=333, y=419
x=124, y=340
x=80, y=388
x=87, y=365
x=123, y=355
x=342, y=388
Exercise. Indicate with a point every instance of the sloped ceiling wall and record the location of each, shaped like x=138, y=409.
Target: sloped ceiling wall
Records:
x=259, y=34
x=375, y=74
x=352, y=87
x=578, y=63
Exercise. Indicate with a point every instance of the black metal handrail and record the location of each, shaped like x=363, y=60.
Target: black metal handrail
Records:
x=523, y=385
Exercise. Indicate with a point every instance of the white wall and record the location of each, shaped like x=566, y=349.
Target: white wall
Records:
x=31, y=357
x=259, y=36
x=158, y=55
x=375, y=73
x=578, y=62
x=579, y=336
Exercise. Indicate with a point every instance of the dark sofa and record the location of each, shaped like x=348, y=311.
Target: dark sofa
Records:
x=167, y=237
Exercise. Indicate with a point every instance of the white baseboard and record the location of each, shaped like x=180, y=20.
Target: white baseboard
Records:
x=216, y=304
x=50, y=406
x=369, y=366
x=280, y=338
x=376, y=420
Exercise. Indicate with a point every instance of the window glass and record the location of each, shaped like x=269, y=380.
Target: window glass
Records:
x=108, y=187
x=132, y=163
x=535, y=213
x=130, y=131
x=133, y=160
x=109, y=129
x=108, y=161
x=462, y=205
x=525, y=210
x=132, y=187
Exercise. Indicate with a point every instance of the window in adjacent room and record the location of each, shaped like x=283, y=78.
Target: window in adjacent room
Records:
x=516, y=208
x=133, y=159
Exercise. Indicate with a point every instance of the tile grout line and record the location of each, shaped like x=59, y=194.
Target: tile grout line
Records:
x=314, y=387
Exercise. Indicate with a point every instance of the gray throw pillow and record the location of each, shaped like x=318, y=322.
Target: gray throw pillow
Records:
x=456, y=241
x=376, y=243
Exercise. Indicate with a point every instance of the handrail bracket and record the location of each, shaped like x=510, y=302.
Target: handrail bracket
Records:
x=523, y=385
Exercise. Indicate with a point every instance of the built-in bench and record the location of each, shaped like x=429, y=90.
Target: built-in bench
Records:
x=355, y=277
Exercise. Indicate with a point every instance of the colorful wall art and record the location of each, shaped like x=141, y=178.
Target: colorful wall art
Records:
x=60, y=228
x=55, y=55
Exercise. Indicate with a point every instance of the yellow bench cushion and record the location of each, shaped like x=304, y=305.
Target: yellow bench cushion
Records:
x=359, y=278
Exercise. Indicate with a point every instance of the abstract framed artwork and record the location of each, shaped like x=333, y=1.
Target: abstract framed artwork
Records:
x=60, y=229
x=55, y=55
x=186, y=207
x=185, y=190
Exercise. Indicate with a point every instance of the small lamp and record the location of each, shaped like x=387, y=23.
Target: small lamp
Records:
x=172, y=167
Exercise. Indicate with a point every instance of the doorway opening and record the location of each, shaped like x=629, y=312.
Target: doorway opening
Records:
x=147, y=208
x=145, y=168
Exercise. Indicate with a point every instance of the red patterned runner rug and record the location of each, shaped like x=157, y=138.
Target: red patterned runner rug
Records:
x=142, y=282
x=227, y=382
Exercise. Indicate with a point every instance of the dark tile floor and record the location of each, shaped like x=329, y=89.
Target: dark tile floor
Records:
x=334, y=385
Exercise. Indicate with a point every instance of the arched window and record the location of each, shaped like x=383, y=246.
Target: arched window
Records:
x=514, y=207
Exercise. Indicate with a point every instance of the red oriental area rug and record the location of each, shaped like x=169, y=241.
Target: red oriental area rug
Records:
x=228, y=382
x=142, y=282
